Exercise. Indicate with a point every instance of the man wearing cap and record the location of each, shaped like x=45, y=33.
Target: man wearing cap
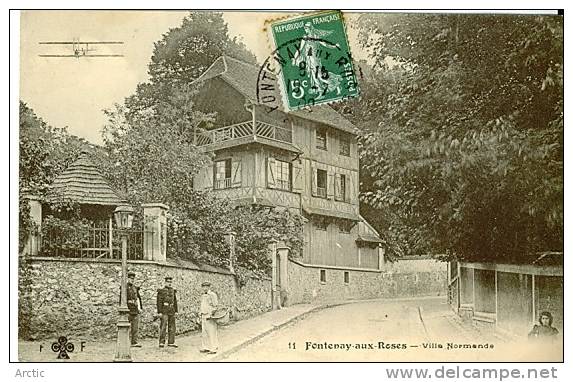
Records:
x=167, y=307
x=135, y=307
x=209, y=335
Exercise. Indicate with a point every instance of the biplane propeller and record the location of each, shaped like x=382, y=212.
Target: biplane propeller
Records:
x=81, y=48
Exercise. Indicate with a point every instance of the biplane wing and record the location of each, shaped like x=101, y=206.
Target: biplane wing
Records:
x=80, y=48
x=79, y=42
x=80, y=55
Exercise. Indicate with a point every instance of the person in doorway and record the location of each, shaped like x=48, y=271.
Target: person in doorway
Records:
x=209, y=328
x=544, y=332
x=167, y=308
x=135, y=307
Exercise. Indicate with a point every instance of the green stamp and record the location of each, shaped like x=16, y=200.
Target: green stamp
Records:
x=314, y=61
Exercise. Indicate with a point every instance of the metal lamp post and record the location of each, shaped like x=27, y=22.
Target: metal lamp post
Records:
x=124, y=219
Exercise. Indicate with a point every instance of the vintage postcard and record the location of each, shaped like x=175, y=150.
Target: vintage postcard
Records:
x=319, y=186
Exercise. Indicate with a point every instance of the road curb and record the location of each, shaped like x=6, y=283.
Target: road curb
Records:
x=254, y=339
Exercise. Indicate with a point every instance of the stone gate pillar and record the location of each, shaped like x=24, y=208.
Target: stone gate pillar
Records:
x=275, y=294
x=155, y=233
x=282, y=262
x=33, y=242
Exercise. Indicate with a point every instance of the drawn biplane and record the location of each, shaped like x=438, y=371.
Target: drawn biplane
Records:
x=81, y=48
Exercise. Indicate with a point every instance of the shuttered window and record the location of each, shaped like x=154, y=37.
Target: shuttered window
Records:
x=321, y=138
x=279, y=174
x=282, y=175
x=340, y=187
x=298, y=182
x=321, y=183
x=222, y=174
x=344, y=146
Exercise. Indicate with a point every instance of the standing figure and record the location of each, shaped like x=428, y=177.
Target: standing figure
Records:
x=209, y=335
x=135, y=307
x=167, y=307
x=307, y=58
x=544, y=332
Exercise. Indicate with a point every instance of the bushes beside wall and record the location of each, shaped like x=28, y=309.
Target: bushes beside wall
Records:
x=79, y=298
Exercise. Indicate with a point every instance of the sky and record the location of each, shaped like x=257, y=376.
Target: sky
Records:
x=72, y=93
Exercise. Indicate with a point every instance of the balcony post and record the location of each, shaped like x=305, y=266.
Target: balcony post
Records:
x=254, y=121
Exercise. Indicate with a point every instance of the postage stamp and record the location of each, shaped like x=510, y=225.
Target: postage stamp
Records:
x=315, y=61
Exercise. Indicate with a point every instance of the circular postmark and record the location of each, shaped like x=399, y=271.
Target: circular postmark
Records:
x=308, y=71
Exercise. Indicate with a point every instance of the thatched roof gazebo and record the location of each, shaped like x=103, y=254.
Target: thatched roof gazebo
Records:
x=83, y=183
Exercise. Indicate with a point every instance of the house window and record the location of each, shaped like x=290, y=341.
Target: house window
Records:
x=345, y=226
x=321, y=138
x=346, y=277
x=344, y=146
x=283, y=175
x=222, y=174
x=323, y=276
x=340, y=187
x=321, y=223
x=321, y=181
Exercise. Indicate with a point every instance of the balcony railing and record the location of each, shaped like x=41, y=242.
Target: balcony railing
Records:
x=244, y=129
x=222, y=183
x=321, y=192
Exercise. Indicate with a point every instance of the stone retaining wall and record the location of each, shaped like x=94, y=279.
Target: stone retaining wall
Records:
x=79, y=298
x=407, y=279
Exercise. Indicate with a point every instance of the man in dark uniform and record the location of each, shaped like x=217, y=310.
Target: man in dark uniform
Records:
x=135, y=306
x=167, y=307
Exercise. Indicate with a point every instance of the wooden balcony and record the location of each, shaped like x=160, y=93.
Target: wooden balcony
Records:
x=245, y=132
x=221, y=184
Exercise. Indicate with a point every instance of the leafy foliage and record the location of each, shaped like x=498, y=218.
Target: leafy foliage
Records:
x=462, y=134
x=185, y=52
x=64, y=234
x=44, y=152
x=197, y=232
x=151, y=156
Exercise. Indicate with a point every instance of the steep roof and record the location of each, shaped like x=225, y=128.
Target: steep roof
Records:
x=243, y=77
x=83, y=183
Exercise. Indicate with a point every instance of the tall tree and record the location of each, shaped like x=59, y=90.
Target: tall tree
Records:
x=150, y=155
x=183, y=54
x=462, y=144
